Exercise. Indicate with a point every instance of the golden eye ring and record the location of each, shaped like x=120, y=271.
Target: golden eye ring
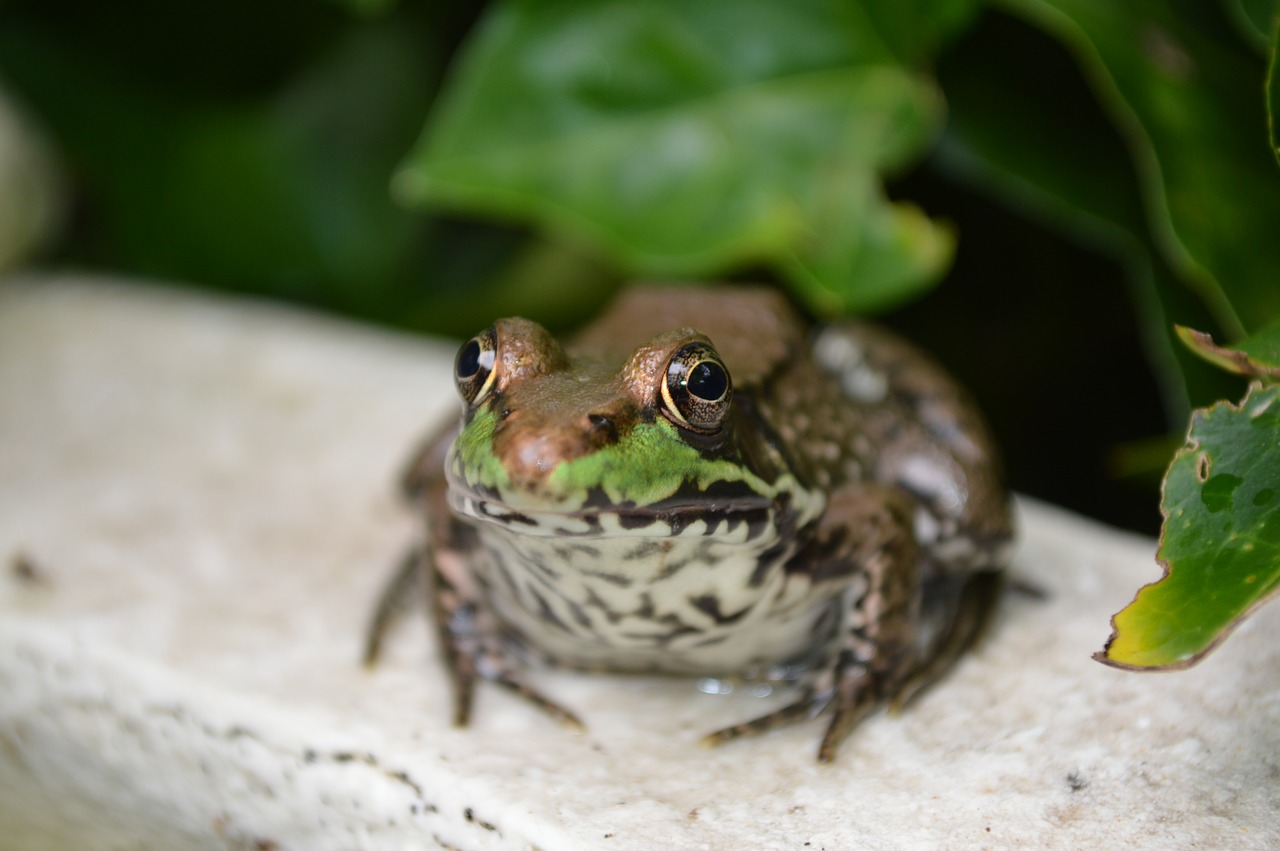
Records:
x=473, y=368
x=696, y=388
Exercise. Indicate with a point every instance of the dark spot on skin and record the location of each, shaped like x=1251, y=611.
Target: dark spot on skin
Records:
x=825, y=556
x=539, y=561
x=677, y=629
x=579, y=614
x=711, y=606
x=596, y=602
x=566, y=553
x=671, y=567
x=635, y=519
x=646, y=609
x=504, y=574
x=612, y=578
x=765, y=564
x=644, y=550
x=547, y=614
x=504, y=516
x=593, y=526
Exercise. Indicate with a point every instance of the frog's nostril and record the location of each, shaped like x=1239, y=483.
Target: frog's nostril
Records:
x=603, y=427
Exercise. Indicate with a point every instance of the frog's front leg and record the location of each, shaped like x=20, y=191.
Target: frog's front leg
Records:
x=469, y=636
x=865, y=545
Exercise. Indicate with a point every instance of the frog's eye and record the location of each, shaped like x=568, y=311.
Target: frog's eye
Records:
x=696, y=389
x=473, y=367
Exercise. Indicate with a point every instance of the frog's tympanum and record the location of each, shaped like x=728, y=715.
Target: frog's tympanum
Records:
x=700, y=483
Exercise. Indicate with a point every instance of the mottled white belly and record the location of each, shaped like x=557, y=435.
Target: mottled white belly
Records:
x=623, y=599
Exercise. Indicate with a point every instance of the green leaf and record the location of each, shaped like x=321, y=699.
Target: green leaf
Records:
x=1257, y=357
x=692, y=139
x=1186, y=96
x=1038, y=140
x=892, y=252
x=1255, y=19
x=915, y=29
x=1273, y=93
x=1220, y=544
x=367, y=8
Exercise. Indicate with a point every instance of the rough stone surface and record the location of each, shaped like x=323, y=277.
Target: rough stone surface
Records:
x=196, y=513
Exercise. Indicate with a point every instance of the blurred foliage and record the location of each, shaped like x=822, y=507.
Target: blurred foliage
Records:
x=681, y=146
x=1089, y=172
x=1273, y=94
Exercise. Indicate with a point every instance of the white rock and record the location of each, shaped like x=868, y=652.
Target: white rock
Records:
x=202, y=492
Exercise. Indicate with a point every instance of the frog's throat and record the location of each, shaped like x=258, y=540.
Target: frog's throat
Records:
x=652, y=477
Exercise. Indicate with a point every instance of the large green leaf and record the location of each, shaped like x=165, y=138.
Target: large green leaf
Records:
x=1185, y=94
x=1220, y=545
x=692, y=138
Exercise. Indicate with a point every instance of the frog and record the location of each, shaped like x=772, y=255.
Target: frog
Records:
x=704, y=483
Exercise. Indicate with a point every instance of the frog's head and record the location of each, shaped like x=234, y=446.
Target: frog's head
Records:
x=655, y=436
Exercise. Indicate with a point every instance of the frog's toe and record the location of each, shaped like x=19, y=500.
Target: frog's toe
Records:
x=544, y=703
x=809, y=705
x=393, y=602
x=846, y=716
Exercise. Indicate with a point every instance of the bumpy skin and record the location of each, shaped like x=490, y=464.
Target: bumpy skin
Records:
x=842, y=528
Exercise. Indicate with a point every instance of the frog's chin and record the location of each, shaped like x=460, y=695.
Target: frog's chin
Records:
x=746, y=519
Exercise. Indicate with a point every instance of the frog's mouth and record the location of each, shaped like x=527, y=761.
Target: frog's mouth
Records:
x=724, y=509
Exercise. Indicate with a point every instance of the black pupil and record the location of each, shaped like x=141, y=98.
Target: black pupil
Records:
x=707, y=381
x=469, y=360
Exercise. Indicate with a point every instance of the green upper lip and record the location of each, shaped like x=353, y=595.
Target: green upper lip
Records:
x=650, y=464
x=651, y=474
